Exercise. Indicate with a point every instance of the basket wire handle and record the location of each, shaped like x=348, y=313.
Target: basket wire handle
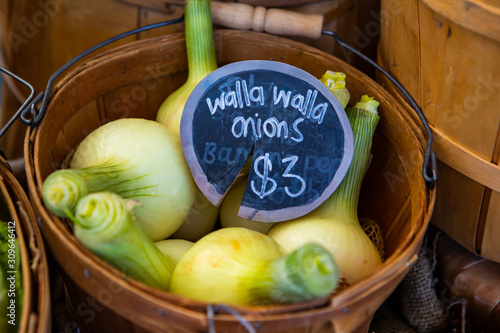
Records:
x=211, y=310
x=429, y=168
x=16, y=115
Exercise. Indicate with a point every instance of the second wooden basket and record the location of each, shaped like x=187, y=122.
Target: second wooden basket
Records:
x=34, y=314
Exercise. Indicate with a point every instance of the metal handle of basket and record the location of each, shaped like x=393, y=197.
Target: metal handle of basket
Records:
x=429, y=168
x=17, y=114
x=212, y=310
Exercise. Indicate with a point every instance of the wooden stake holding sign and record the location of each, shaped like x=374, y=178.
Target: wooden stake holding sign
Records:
x=285, y=119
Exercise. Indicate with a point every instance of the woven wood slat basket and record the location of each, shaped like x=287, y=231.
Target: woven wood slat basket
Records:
x=35, y=315
x=450, y=66
x=132, y=81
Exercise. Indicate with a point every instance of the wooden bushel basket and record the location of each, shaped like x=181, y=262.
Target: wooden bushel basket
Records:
x=446, y=55
x=35, y=315
x=132, y=81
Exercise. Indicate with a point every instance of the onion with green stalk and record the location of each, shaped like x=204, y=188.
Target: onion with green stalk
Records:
x=202, y=60
x=239, y=266
x=136, y=158
x=335, y=224
x=103, y=223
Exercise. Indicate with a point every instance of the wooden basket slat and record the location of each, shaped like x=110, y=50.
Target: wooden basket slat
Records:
x=491, y=230
x=465, y=114
x=165, y=85
x=399, y=227
x=27, y=280
x=84, y=120
x=130, y=101
x=385, y=172
x=61, y=149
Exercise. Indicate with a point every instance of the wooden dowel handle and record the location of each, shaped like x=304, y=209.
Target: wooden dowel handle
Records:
x=274, y=21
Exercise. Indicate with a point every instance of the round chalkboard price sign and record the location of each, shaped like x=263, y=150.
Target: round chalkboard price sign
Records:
x=279, y=117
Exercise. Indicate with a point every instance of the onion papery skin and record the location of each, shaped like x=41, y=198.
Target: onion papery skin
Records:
x=334, y=224
x=353, y=251
x=174, y=248
x=201, y=219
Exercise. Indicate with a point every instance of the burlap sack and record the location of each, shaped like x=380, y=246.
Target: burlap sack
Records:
x=421, y=307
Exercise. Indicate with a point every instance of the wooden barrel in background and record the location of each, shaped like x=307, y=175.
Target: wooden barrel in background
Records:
x=38, y=37
x=148, y=70
x=447, y=55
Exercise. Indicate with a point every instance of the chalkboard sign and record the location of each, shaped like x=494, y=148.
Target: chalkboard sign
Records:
x=282, y=119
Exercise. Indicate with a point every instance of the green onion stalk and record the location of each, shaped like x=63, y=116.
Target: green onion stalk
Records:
x=335, y=82
x=239, y=266
x=201, y=59
x=136, y=158
x=104, y=224
x=335, y=224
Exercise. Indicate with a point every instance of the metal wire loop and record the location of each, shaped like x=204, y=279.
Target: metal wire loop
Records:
x=25, y=104
x=19, y=111
x=211, y=310
x=429, y=168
